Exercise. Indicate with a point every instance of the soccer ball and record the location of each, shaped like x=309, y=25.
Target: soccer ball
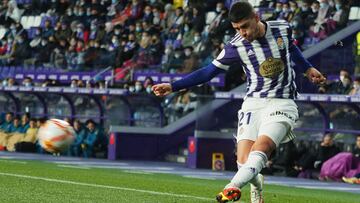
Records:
x=55, y=135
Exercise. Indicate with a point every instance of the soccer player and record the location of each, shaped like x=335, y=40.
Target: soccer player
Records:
x=268, y=113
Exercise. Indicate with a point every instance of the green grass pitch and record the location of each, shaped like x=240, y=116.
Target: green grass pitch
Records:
x=35, y=181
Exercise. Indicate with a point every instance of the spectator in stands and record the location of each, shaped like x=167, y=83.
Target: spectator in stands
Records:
x=356, y=87
x=48, y=29
x=27, y=82
x=191, y=60
x=356, y=150
x=286, y=13
x=176, y=61
x=92, y=138
x=156, y=50
x=58, y=56
x=343, y=86
x=148, y=83
x=80, y=134
x=25, y=122
x=277, y=11
x=221, y=23
x=64, y=32
x=27, y=143
x=7, y=124
x=320, y=29
x=16, y=126
x=341, y=14
x=198, y=19
x=326, y=150
x=139, y=88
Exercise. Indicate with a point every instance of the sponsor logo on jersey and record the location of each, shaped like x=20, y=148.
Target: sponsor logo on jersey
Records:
x=281, y=113
x=271, y=67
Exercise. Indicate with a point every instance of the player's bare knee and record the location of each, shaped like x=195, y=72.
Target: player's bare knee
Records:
x=264, y=144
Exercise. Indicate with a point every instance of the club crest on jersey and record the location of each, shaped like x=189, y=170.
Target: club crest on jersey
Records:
x=271, y=67
x=280, y=43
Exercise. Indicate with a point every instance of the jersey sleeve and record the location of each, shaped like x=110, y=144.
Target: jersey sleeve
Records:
x=227, y=57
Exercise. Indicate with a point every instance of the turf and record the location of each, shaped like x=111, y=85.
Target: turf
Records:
x=33, y=181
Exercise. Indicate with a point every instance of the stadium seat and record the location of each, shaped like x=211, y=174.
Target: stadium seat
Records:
x=23, y=21
x=30, y=22
x=354, y=13
x=2, y=32
x=37, y=21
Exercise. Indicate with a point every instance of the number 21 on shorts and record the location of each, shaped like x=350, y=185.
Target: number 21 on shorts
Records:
x=244, y=118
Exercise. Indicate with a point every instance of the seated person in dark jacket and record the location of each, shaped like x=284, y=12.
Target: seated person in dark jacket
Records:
x=92, y=138
x=80, y=133
x=356, y=150
x=326, y=150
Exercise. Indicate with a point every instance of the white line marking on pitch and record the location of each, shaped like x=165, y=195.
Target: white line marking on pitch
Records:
x=72, y=166
x=11, y=161
x=105, y=186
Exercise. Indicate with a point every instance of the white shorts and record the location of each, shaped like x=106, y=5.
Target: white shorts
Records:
x=257, y=114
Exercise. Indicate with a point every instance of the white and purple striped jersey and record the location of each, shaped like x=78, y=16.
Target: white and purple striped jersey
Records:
x=266, y=61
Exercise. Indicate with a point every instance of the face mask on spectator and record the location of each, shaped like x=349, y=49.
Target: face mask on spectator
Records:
x=114, y=1
x=27, y=84
x=148, y=89
x=43, y=43
x=117, y=32
x=295, y=23
x=167, y=51
x=304, y=8
x=177, y=55
x=278, y=9
x=218, y=9
x=342, y=77
x=78, y=30
x=69, y=13
x=81, y=13
x=293, y=8
x=197, y=38
x=138, y=88
x=323, y=5
x=9, y=41
x=147, y=12
x=37, y=32
x=338, y=6
x=73, y=85
x=138, y=29
x=152, y=1
x=331, y=3
x=131, y=89
x=93, y=27
x=187, y=52
x=314, y=10
x=4, y=83
x=285, y=10
x=20, y=40
x=356, y=86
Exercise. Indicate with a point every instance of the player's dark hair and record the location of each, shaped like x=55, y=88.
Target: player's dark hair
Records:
x=240, y=11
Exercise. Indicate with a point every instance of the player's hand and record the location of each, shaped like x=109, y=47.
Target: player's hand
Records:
x=315, y=76
x=162, y=89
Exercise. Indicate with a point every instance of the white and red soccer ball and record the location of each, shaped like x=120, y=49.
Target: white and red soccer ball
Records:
x=56, y=135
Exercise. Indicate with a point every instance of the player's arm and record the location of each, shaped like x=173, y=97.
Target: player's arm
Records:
x=227, y=57
x=305, y=66
x=197, y=77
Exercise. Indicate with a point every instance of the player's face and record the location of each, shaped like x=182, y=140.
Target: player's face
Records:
x=248, y=28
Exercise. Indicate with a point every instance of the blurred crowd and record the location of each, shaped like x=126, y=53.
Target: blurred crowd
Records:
x=20, y=134
x=163, y=35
